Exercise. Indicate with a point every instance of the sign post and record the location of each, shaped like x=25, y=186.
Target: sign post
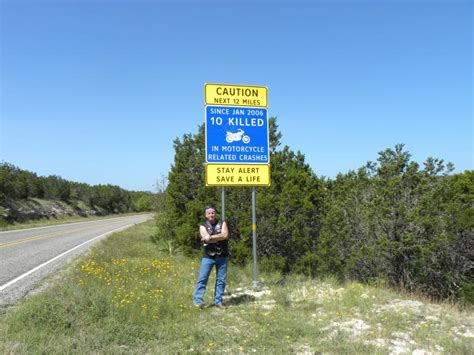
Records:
x=223, y=204
x=237, y=143
x=255, y=285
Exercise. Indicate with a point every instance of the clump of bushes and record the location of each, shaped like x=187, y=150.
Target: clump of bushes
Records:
x=18, y=184
x=390, y=220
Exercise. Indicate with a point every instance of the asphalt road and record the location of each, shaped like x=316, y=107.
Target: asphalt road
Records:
x=29, y=255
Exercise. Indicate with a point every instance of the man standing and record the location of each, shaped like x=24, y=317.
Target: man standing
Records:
x=214, y=235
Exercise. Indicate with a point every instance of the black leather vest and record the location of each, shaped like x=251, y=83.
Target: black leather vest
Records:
x=214, y=250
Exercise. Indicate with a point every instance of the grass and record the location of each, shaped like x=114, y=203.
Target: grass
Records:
x=60, y=220
x=130, y=296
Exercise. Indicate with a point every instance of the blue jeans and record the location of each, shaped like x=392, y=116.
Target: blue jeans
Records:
x=221, y=274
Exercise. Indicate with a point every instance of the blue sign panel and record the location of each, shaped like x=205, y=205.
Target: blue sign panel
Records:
x=237, y=135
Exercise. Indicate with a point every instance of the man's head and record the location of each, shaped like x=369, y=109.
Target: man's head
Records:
x=210, y=213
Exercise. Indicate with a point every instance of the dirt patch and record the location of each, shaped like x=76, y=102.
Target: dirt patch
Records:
x=354, y=327
x=318, y=293
x=397, y=305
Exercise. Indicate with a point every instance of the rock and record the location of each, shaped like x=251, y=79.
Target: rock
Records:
x=36, y=209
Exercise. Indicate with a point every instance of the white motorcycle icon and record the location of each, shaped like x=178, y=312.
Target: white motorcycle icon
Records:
x=237, y=136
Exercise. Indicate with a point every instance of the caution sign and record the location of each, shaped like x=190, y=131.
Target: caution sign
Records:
x=235, y=95
x=237, y=175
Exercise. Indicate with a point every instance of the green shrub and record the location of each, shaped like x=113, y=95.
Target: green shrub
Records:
x=273, y=263
x=467, y=293
x=390, y=220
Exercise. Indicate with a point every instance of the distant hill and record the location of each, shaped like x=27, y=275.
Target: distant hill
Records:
x=25, y=196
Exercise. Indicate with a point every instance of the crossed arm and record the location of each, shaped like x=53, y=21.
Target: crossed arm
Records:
x=207, y=238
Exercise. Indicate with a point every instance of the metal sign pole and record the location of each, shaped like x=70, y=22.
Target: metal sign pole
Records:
x=226, y=289
x=223, y=204
x=254, y=240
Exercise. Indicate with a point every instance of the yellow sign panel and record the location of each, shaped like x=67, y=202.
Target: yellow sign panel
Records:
x=237, y=175
x=235, y=95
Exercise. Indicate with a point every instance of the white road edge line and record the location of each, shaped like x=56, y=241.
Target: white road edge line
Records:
x=69, y=224
x=9, y=283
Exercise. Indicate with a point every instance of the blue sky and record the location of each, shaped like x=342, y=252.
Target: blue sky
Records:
x=96, y=91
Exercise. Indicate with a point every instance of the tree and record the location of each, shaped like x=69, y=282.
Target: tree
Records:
x=293, y=183
x=392, y=221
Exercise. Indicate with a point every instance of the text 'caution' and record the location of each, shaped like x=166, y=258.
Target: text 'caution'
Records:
x=235, y=95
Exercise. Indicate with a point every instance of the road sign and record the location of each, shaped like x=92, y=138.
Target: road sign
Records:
x=237, y=175
x=237, y=132
x=235, y=95
x=237, y=135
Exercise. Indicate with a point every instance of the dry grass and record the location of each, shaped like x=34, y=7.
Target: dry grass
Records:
x=127, y=296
